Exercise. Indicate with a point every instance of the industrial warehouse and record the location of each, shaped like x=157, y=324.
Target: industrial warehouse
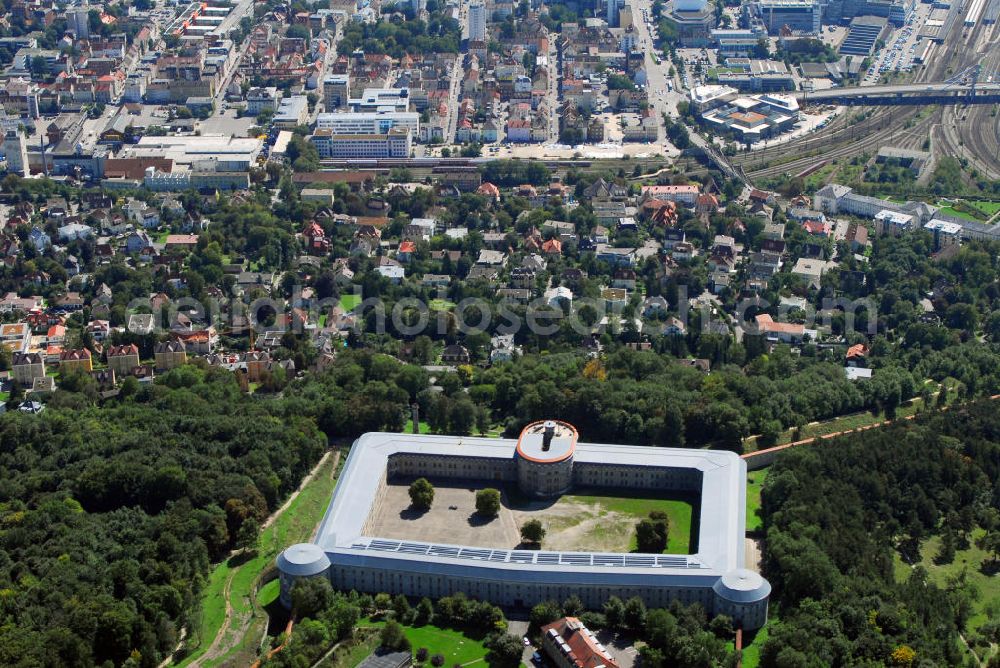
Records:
x=543, y=463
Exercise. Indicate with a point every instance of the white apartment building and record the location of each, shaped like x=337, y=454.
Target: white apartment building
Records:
x=259, y=99
x=477, y=22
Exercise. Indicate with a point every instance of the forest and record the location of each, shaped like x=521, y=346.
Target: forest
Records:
x=110, y=516
x=837, y=601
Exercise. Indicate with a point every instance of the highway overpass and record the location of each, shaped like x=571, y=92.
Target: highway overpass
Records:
x=904, y=94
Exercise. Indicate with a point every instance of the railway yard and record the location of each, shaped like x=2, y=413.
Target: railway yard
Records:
x=970, y=133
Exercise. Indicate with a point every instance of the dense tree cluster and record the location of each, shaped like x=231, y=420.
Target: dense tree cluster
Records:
x=831, y=562
x=439, y=34
x=110, y=517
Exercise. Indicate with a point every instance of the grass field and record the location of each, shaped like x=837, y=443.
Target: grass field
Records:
x=752, y=644
x=440, y=305
x=454, y=645
x=680, y=538
x=989, y=208
x=755, y=480
x=295, y=525
x=969, y=561
x=955, y=212
x=349, y=302
x=424, y=427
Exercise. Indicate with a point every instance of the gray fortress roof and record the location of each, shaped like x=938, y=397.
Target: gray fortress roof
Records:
x=720, y=533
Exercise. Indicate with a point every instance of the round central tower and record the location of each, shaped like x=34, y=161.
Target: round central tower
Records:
x=545, y=458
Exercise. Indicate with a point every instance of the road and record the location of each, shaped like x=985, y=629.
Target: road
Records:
x=555, y=75
x=457, y=74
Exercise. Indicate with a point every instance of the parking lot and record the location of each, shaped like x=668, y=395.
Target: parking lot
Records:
x=900, y=50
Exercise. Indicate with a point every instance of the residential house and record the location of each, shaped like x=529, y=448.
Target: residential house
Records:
x=26, y=367
x=455, y=354
x=75, y=360
x=570, y=644
x=784, y=332
x=142, y=214
x=123, y=359
x=170, y=354
x=198, y=341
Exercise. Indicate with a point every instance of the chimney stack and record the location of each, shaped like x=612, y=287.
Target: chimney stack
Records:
x=547, y=434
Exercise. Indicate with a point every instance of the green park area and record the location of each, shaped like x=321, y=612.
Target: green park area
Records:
x=968, y=563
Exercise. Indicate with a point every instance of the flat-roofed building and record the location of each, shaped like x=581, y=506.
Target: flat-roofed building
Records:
x=944, y=233
x=292, y=111
x=336, y=91
x=225, y=153
x=396, y=143
x=544, y=461
x=368, y=123
x=802, y=16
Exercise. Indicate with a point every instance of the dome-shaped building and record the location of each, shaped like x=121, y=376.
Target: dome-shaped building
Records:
x=545, y=458
x=742, y=595
x=302, y=560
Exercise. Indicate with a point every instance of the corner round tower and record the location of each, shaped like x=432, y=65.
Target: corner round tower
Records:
x=742, y=595
x=302, y=560
x=545, y=458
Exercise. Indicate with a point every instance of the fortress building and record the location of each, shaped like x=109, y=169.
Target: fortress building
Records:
x=543, y=463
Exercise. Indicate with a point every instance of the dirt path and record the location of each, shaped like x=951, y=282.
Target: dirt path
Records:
x=220, y=645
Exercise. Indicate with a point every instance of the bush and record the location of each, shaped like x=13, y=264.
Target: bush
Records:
x=437, y=660
x=421, y=494
x=532, y=531
x=392, y=636
x=422, y=654
x=488, y=502
x=651, y=534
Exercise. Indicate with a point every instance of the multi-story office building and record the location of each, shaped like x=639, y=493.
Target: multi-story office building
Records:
x=802, y=16
x=382, y=99
x=15, y=148
x=368, y=123
x=396, y=143
x=336, y=91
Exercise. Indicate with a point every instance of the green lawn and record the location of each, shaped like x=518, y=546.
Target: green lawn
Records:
x=968, y=560
x=753, y=642
x=268, y=594
x=679, y=511
x=424, y=427
x=440, y=305
x=755, y=480
x=955, y=212
x=349, y=302
x=295, y=525
x=454, y=645
x=989, y=208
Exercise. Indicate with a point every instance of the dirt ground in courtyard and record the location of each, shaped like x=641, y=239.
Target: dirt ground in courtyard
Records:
x=571, y=525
